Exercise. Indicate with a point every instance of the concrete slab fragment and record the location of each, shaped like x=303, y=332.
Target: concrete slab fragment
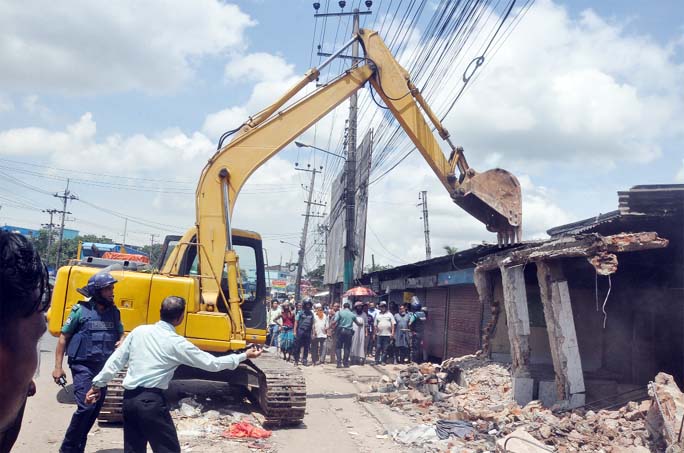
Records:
x=523, y=389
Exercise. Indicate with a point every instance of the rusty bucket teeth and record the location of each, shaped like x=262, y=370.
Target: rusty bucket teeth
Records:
x=494, y=198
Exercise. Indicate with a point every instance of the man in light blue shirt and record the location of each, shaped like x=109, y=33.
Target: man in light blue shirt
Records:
x=153, y=352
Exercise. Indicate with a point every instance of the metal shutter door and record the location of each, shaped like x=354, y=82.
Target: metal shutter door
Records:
x=435, y=329
x=464, y=328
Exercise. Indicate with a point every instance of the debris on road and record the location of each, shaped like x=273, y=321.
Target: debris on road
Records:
x=217, y=429
x=475, y=395
x=245, y=429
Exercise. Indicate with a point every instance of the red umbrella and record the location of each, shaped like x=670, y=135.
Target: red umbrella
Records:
x=359, y=291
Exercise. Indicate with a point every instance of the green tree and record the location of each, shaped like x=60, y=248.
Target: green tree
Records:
x=450, y=250
x=153, y=251
x=376, y=268
x=315, y=276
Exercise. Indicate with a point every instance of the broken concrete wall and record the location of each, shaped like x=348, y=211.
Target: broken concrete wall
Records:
x=643, y=333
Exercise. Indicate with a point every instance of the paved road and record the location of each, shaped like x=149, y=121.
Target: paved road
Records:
x=335, y=421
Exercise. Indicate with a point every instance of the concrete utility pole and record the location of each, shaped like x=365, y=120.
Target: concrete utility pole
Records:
x=66, y=196
x=350, y=164
x=426, y=225
x=350, y=177
x=49, y=227
x=123, y=244
x=302, y=242
x=152, y=235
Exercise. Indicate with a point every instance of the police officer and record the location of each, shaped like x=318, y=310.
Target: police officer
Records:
x=417, y=324
x=90, y=334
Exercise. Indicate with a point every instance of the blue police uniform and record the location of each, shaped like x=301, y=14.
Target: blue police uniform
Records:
x=93, y=341
x=418, y=327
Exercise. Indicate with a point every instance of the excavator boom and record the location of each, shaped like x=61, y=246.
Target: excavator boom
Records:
x=493, y=197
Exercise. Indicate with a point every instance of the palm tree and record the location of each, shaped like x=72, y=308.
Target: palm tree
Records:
x=450, y=250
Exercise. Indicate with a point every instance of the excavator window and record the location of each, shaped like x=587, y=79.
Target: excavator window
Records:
x=252, y=273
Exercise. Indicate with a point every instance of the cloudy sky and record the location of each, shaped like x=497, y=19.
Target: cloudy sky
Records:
x=128, y=100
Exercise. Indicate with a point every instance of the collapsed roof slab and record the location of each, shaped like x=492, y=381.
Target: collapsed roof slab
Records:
x=593, y=246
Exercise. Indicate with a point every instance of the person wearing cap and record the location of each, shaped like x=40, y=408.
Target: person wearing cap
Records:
x=89, y=336
x=303, y=330
x=358, y=346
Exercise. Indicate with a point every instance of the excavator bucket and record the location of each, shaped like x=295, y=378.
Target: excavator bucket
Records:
x=495, y=199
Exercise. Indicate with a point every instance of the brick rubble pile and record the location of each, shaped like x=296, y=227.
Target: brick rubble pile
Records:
x=479, y=393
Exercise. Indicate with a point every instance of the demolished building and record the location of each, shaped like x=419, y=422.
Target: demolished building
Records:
x=591, y=314
x=596, y=311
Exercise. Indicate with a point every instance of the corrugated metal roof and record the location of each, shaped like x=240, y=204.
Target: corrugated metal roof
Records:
x=642, y=200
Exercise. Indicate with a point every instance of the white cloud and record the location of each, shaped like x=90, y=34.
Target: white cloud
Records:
x=395, y=218
x=76, y=147
x=572, y=90
x=258, y=67
x=6, y=104
x=679, y=177
x=217, y=123
x=113, y=46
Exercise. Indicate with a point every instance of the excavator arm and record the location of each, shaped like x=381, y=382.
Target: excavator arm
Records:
x=492, y=197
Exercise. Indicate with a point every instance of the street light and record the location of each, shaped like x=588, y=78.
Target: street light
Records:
x=288, y=243
x=304, y=145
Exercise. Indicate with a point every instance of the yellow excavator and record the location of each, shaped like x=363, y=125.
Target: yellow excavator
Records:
x=225, y=306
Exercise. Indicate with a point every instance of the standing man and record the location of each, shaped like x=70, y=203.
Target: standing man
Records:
x=418, y=321
x=153, y=352
x=344, y=320
x=24, y=299
x=332, y=331
x=372, y=311
x=401, y=334
x=303, y=329
x=320, y=333
x=273, y=325
x=358, y=346
x=384, y=331
x=90, y=334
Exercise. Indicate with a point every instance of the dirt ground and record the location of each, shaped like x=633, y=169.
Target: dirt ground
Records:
x=335, y=421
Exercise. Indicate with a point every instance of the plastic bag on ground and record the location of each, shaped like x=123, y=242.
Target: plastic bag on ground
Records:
x=245, y=429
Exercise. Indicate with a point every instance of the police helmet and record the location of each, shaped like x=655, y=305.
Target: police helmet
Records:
x=97, y=282
x=415, y=304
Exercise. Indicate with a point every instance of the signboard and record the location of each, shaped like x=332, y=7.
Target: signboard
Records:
x=278, y=284
x=334, y=257
x=456, y=277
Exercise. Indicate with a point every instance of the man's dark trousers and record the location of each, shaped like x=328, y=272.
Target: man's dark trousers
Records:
x=344, y=341
x=147, y=419
x=381, y=349
x=302, y=341
x=86, y=414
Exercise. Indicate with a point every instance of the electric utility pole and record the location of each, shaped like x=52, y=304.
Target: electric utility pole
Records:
x=152, y=235
x=350, y=164
x=65, y=197
x=302, y=242
x=49, y=227
x=426, y=225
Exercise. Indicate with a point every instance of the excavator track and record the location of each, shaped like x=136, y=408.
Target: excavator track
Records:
x=112, y=408
x=281, y=392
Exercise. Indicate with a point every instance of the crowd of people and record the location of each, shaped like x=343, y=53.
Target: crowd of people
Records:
x=348, y=335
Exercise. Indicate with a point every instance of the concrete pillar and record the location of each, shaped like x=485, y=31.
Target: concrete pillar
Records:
x=515, y=304
x=490, y=309
x=567, y=364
